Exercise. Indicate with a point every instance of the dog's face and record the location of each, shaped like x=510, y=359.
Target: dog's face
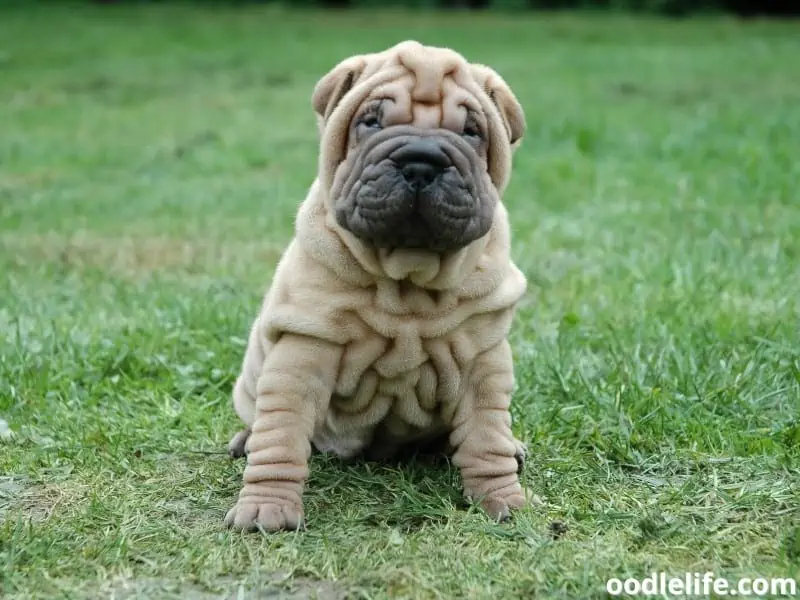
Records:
x=417, y=142
x=414, y=186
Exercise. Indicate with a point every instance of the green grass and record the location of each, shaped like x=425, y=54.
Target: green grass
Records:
x=151, y=161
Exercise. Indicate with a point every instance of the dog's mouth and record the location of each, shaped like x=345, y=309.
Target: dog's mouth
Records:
x=415, y=190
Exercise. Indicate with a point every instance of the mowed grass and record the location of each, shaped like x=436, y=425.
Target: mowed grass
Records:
x=151, y=162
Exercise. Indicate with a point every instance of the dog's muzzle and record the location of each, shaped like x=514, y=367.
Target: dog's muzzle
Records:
x=416, y=191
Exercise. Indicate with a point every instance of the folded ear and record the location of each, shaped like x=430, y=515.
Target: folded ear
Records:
x=333, y=86
x=503, y=98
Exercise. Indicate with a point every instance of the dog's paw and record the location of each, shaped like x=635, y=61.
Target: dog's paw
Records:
x=500, y=507
x=265, y=514
x=521, y=454
x=236, y=447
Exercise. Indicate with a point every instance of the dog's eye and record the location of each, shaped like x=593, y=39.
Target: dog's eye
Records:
x=471, y=129
x=370, y=121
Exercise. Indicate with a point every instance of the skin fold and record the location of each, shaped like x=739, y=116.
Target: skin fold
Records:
x=386, y=323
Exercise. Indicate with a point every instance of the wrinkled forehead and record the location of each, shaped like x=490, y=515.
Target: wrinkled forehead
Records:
x=430, y=76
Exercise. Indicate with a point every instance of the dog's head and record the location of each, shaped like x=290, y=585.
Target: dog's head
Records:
x=416, y=146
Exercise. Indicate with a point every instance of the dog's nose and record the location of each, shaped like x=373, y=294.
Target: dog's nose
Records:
x=420, y=174
x=421, y=161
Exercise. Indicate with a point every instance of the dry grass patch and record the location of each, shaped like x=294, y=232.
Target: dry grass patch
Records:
x=133, y=256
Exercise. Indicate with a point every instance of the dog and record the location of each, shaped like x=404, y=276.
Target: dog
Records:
x=386, y=323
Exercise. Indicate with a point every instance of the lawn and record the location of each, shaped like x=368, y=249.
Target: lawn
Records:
x=151, y=161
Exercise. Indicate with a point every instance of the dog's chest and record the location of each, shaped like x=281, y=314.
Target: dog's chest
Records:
x=400, y=363
x=403, y=367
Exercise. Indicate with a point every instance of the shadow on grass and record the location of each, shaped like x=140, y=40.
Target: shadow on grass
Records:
x=408, y=493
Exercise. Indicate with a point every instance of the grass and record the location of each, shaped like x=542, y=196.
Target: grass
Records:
x=151, y=160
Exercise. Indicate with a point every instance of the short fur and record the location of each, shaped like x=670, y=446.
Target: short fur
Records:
x=359, y=349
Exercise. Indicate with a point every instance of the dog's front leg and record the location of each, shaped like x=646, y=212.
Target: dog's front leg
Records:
x=293, y=391
x=486, y=450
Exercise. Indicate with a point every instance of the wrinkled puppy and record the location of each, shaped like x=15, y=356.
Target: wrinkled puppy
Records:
x=386, y=322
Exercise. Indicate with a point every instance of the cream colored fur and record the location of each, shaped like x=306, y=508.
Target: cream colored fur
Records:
x=356, y=347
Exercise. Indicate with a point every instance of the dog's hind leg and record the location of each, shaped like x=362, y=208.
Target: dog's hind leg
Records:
x=238, y=443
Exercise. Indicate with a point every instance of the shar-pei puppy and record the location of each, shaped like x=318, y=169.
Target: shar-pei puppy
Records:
x=386, y=323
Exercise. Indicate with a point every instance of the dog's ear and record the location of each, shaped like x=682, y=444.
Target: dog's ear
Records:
x=504, y=99
x=333, y=86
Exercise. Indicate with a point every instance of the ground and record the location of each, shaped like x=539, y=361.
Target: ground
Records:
x=151, y=160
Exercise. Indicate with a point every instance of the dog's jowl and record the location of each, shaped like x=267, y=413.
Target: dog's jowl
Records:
x=387, y=319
